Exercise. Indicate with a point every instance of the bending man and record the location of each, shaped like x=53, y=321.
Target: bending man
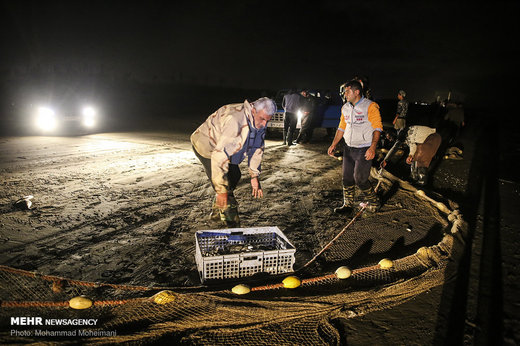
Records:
x=223, y=141
x=423, y=142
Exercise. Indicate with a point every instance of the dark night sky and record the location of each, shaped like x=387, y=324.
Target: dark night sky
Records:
x=426, y=47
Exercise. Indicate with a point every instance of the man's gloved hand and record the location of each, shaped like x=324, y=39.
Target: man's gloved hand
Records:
x=256, y=189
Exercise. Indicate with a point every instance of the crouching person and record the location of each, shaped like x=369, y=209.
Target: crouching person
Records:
x=222, y=142
x=423, y=142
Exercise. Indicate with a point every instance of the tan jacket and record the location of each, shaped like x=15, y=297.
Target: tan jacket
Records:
x=223, y=134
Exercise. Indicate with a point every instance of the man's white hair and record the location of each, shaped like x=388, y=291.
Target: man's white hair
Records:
x=265, y=103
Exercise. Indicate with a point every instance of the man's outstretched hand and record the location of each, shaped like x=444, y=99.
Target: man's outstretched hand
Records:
x=256, y=189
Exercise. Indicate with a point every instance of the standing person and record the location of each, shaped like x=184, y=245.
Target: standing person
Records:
x=291, y=103
x=365, y=84
x=363, y=81
x=360, y=126
x=402, y=109
x=453, y=121
x=223, y=141
x=307, y=108
x=423, y=142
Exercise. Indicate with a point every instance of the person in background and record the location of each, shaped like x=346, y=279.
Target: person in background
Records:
x=308, y=104
x=291, y=104
x=453, y=121
x=365, y=84
x=402, y=109
x=360, y=127
x=363, y=81
x=222, y=142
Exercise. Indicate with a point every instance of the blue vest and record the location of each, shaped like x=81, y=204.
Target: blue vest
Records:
x=254, y=141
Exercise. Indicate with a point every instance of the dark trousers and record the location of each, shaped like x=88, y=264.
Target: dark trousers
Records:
x=289, y=126
x=233, y=175
x=306, y=130
x=356, y=169
x=451, y=132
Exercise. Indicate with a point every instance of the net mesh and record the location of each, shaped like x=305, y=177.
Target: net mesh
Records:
x=269, y=314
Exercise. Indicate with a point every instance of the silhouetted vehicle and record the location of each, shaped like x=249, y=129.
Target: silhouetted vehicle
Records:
x=61, y=112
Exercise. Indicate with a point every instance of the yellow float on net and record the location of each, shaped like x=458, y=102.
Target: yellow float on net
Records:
x=343, y=272
x=385, y=263
x=291, y=282
x=163, y=297
x=241, y=289
x=80, y=303
x=422, y=251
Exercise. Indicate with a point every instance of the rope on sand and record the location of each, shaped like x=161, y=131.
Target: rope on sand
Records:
x=363, y=207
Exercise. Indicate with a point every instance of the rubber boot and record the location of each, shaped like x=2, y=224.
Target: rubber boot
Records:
x=370, y=197
x=413, y=171
x=215, y=211
x=289, y=138
x=348, y=200
x=284, y=135
x=229, y=215
x=422, y=176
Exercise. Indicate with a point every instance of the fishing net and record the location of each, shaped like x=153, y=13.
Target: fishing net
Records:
x=423, y=250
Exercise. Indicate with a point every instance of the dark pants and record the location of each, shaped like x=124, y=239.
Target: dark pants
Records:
x=356, y=169
x=289, y=126
x=450, y=132
x=233, y=175
x=306, y=130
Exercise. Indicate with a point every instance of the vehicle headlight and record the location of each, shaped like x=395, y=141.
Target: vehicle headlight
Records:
x=46, y=119
x=88, y=116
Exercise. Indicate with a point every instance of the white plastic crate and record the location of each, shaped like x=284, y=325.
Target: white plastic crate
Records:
x=239, y=252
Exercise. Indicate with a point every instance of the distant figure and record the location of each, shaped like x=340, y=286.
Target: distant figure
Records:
x=453, y=122
x=308, y=105
x=402, y=109
x=363, y=81
x=437, y=114
x=360, y=126
x=222, y=142
x=291, y=104
x=367, y=92
x=423, y=142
